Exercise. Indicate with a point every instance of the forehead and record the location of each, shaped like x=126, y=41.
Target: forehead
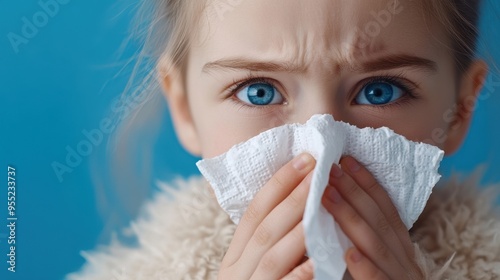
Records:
x=332, y=32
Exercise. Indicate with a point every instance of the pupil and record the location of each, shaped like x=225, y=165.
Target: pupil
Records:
x=378, y=93
x=260, y=94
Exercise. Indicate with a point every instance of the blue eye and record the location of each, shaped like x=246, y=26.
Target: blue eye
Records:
x=379, y=93
x=260, y=94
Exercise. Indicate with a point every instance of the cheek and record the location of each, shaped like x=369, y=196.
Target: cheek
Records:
x=215, y=133
x=428, y=125
x=425, y=121
x=220, y=137
x=219, y=134
x=220, y=126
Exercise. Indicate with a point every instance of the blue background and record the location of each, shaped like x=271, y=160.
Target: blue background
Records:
x=61, y=82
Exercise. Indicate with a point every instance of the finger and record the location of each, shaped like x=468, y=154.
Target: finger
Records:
x=283, y=256
x=276, y=190
x=305, y=271
x=276, y=226
x=369, y=184
x=361, y=234
x=368, y=209
x=361, y=268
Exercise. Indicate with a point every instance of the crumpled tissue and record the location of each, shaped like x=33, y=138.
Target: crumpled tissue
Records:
x=406, y=169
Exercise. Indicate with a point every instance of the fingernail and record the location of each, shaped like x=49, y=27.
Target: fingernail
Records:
x=334, y=195
x=356, y=256
x=302, y=161
x=336, y=171
x=353, y=165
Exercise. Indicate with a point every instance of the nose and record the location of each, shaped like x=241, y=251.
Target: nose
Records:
x=317, y=101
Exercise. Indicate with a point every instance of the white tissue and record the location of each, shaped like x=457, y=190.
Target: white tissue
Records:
x=407, y=170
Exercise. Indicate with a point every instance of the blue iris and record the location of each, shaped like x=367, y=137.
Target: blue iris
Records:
x=260, y=94
x=378, y=93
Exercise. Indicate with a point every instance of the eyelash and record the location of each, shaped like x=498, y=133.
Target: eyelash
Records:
x=248, y=80
x=399, y=80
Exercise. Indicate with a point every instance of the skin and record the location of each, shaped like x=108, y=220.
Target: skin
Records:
x=331, y=64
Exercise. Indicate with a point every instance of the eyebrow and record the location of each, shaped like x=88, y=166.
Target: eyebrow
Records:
x=382, y=63
x=251, y=65
x=398, y=61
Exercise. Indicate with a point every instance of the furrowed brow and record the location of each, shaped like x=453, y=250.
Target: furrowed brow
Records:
x=397, y=61
x=379, y=64
x=251, y=65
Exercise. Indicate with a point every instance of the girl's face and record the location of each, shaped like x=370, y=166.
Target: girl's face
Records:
x=258, y=64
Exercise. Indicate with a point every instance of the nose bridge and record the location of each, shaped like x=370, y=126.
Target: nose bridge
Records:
x=319, y=99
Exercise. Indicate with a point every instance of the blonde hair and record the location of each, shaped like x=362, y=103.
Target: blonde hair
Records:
x=459, y=18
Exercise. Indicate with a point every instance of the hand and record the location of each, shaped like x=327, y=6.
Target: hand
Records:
x=366, y=214
x=269, y=240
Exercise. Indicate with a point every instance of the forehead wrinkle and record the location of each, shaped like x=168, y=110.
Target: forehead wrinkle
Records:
x=332, y=45
x=298, y=45
x=289, y=50
x=306, y=48
x=323, y=46
x=333, y=49
x=309, y=50
x=286, y=56
x=356, y=47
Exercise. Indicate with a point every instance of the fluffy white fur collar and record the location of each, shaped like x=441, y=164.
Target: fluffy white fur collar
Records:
x=183, y=234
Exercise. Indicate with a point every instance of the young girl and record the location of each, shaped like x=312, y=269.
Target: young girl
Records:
x=231, y=69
